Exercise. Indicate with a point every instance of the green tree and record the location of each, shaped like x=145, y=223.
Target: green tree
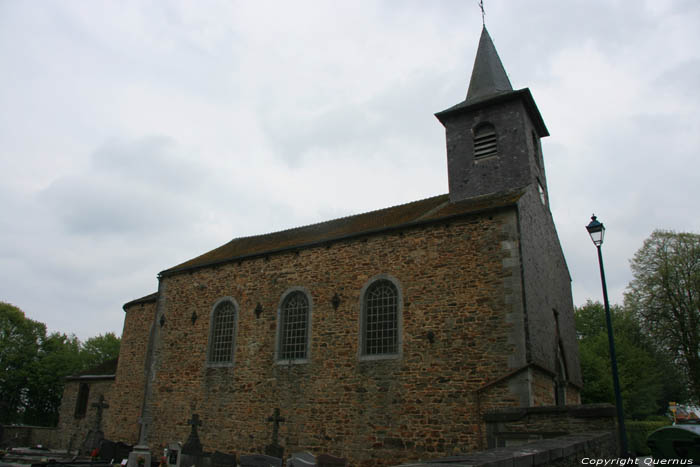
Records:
x=34, y=365
x=20, y=339
x=99, y=349
x=643, y=372
x=58, y=357
x=664, y=295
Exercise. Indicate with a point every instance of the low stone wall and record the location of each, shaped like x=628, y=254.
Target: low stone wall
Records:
x=565, y=451
x=515, y=426
x=13, y=436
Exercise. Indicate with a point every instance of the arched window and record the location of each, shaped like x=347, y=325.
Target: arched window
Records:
x=222, y=332
x=485, y=141
x=380, y=319
x=293, y=327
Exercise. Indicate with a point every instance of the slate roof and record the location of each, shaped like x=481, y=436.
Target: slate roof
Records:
x=396, y=217
x=147, y=299
x=488, y=75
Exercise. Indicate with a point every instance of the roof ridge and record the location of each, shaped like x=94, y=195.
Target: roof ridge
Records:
x=401, y=215
x=350, y=216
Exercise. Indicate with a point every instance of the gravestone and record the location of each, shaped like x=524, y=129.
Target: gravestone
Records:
x=173, y=454
x=192, y=451
x=301, y=459
x=193, y=445
x=95, y=435
x=326, y=460
x=260, y=460
x=220, y=459
x=274, y=449
x=114, y=452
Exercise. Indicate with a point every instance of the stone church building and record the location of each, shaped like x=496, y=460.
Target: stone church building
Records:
x=380, y=337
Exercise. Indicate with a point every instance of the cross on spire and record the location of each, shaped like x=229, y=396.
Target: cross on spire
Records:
x=483, y=13
x=275, y=428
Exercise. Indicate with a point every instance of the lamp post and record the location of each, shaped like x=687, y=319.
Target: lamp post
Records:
x=597, y=231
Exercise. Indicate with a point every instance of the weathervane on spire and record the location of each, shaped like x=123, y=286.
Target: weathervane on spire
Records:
x=483, y=20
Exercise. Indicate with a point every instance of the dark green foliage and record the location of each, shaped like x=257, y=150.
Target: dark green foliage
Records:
x=58, y=357
x=665, y=298
x=639, y=431
x=97, y=350
x=20, y=339
x=33, y=366
x=647, y=379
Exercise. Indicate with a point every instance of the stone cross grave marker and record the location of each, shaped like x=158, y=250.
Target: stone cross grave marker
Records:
x=274, y=449
x=276, y=419
x=193, y=445
x=100, y=406
x=95, y=435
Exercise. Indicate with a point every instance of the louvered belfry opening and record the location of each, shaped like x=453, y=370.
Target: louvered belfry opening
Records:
x=485, y=142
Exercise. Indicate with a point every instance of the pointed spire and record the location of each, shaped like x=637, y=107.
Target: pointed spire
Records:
x=488, y=75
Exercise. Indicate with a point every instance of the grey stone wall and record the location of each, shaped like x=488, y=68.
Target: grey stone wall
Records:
x=523, y=424
x=24, y=436
x=547, y=289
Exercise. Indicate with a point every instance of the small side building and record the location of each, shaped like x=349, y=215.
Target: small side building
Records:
x=81, y=394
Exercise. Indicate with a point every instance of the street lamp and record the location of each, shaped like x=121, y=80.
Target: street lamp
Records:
x=597, y=231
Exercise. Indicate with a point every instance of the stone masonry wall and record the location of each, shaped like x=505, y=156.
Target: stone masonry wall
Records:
x=454, y=281
x=24, y=435
x=72, y=431
x=542, y=388
x=546, y=422
x=121, y=419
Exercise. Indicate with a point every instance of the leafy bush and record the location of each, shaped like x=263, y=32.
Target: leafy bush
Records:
x=638, y=431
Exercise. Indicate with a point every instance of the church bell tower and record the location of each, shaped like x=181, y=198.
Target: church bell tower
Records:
x=493, y=136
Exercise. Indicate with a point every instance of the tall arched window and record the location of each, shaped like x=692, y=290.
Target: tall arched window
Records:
x=293, y=327
x=380, y=319
x=485, y=141
x=222, y=333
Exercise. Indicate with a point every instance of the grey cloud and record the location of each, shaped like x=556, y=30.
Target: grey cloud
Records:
x=132, y=187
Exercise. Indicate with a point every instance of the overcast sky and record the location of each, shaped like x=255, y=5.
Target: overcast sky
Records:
x=137, y=135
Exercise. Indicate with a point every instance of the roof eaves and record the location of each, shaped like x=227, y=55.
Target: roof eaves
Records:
x=424, y=219
x=471, y=105
x=150, y=298
x=89, y=377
